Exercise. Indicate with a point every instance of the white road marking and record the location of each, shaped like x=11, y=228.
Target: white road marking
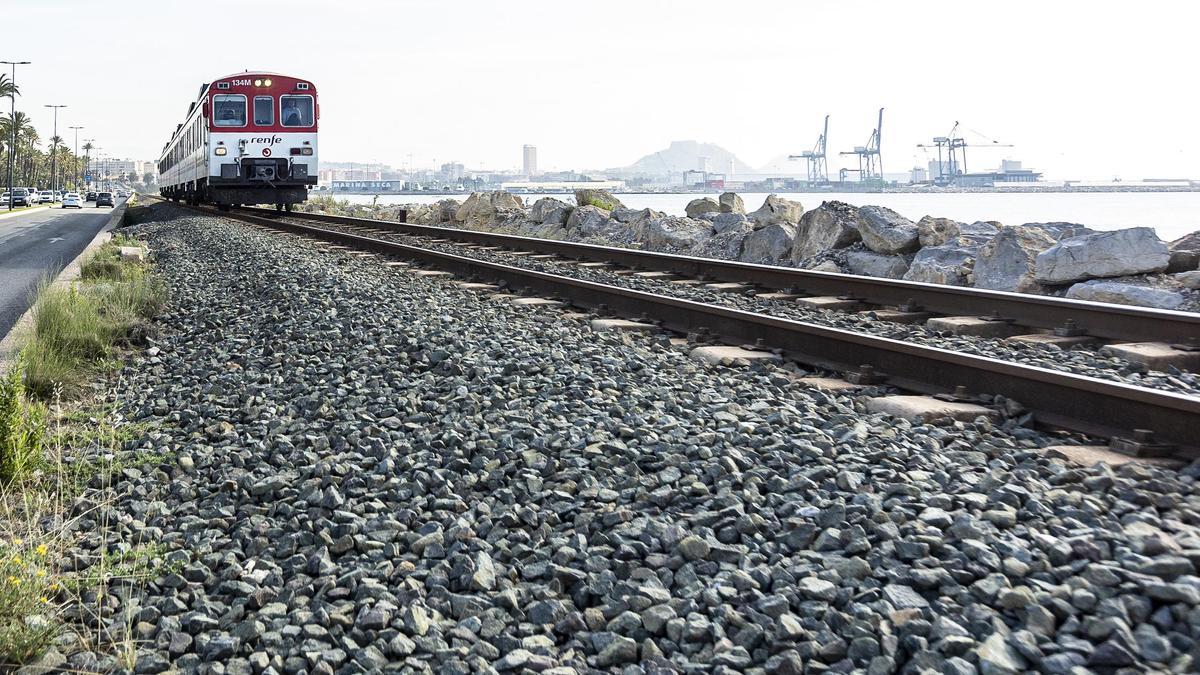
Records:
x=56, y=239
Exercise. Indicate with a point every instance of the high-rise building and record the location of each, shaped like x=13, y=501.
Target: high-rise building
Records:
x=529, y=157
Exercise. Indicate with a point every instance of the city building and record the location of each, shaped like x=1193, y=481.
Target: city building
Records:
x=1010, y=172
x=452, y=171
x=529, y=161
x=919, y=175
x=329, y=176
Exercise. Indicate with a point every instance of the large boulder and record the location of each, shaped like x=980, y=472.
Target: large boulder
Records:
x=776, y=209
x=731, y=203
x=551, y=211
x=439, y=212
x=587, y=221
x=831, y=225
x=887, y=232
x=1061, y=230
x=1188, y=242
x=1185, y=253
x=1125, y=294
x=698, y=207
x=673, y=233
x=1006, y=262
x=725, y=221
x=1183, y=260
x=947, y=264
x=933, y=231
x=977, y=233
x=485, y=208
x=940, y=231
x=870, y=264
x=769, y=244
x=1190, y=280
x=1136, y=250
x=627, y=215
x=727, y=242
x=601, y=199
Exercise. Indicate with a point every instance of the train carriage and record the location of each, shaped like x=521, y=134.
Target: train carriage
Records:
x=249, y=138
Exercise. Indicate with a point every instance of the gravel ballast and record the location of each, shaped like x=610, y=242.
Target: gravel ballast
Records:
x=1082, y=360
x=366, y=470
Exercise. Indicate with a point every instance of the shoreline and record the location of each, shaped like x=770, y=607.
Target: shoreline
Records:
x=842, y=190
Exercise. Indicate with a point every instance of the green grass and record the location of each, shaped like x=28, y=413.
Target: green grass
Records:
x=23, y=429
x=78, y=329
x=106, y=262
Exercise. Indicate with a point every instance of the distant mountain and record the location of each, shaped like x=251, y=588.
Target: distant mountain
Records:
x=685, y=156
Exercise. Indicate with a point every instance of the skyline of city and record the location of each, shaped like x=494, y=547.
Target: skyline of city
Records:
x=1065, y=98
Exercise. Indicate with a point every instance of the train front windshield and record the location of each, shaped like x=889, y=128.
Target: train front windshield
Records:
x=297, y=111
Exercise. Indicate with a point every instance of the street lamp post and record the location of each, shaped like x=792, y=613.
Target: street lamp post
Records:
x=75, y=158
x=12, y=119
x=54, y=147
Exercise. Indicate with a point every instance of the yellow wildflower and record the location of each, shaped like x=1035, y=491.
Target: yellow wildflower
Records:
x=41, y=573
x=41, y=549
x=16, y=560
x=14, y=581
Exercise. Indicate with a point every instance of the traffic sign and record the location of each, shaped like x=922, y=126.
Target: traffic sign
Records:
x=87, y=177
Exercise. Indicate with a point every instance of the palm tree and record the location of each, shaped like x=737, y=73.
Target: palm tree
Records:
x=27, y=141
x=7, y=88
x=55, y=141
x=6, y=130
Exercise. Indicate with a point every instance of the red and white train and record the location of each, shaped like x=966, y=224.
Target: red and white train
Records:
x=249, y=138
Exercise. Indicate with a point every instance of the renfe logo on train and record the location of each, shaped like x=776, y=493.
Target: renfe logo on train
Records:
x=269, y=140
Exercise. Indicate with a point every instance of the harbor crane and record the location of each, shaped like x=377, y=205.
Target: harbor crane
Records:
x=818, y=169
x=870, y=162
x=954, y=143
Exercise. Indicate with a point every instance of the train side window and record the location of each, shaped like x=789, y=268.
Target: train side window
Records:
x=264, y=111
x=296, y=111
x=229, y=110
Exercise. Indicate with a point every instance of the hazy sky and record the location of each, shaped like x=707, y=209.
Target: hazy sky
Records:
x=1083, y=89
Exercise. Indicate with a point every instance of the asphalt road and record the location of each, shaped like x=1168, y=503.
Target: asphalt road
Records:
x=37, y=245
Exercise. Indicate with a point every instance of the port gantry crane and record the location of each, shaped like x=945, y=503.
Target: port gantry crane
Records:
x=953, y=142
x=818, y=169
x=870, y=162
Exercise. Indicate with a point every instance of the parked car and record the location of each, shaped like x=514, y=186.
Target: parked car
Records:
x=104, y=199
x=47, y=196
x=21, y=197
x=72, y=201
x=91, y=196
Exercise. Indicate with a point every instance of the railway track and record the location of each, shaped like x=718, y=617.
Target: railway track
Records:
x=1140, y=421
x=1104, y=321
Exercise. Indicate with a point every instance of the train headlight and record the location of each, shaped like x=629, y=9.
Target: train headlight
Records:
x=306, y=151
x=266, y=83
x=220, y=152
x=258, y=83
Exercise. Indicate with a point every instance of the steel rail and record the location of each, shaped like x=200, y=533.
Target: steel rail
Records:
x=1112, y=322
x=1058, y=399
